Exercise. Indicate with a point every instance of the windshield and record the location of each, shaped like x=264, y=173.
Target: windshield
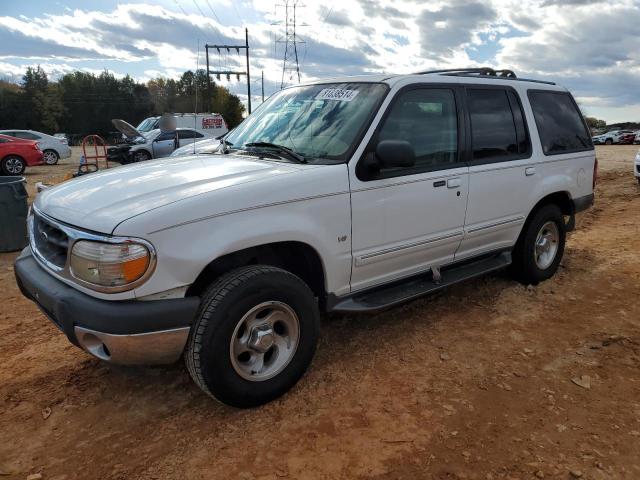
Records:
x=147, y=124
x=314, y=121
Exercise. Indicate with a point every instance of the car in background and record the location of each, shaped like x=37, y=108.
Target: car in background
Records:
x=627, y=138
x=53, y=148
x=210, y=145
x=208, y=124
x=636, y=140
x=17, y=153
x=62, y=137
x=636, y=167
x=142, y=146
x=611, y=137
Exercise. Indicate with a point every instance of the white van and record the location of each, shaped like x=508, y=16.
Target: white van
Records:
x=209, y=124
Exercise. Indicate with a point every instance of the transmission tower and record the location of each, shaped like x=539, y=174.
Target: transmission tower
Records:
x=290, y=66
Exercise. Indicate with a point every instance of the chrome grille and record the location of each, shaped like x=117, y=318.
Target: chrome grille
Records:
x=49, y=242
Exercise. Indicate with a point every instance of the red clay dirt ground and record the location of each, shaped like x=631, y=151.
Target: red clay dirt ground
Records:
x=488, y=380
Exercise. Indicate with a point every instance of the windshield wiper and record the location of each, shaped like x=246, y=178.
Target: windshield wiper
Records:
x=280, y=148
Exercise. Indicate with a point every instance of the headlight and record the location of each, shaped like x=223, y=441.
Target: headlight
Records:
x=109, y=264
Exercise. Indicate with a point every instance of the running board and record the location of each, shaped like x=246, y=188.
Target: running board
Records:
x=414, y=287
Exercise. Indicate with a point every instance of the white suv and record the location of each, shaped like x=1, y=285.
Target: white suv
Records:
x=350, y=195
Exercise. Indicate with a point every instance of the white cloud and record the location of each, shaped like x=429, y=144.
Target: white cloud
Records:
x=589, y=46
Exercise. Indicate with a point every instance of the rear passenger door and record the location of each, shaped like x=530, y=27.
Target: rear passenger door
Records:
x=407, y=219
x=501, y=175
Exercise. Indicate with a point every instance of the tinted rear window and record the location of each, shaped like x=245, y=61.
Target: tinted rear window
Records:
x=498, y=131
x=559, y=122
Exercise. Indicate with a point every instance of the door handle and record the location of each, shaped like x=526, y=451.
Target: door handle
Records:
x=453, y=183
x=530, y=171
x=439, y=183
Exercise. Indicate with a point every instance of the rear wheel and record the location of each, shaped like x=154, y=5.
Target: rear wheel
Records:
x=13, y=165
x=254, y=336
x=608, y=141
x=51, y=157
x=540, y=247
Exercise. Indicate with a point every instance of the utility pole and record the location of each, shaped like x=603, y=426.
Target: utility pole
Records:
x=246, y=40
x=291, y=41
x=228, y=73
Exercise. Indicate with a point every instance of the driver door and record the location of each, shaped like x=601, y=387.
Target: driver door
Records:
x=408, y=219
x=164, y=144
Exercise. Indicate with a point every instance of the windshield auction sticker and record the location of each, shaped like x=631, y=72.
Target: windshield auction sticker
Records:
x=337, y=94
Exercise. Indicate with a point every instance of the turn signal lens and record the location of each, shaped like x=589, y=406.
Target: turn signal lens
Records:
x=109, y=264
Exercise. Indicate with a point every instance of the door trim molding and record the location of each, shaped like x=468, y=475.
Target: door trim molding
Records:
x=376, y=256
x=496, y=224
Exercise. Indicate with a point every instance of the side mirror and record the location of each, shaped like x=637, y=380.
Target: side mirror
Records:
x=395, y=153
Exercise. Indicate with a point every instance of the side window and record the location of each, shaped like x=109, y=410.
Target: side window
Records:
x=559, y=122
x=498, y=132
x=26, y=135
x=182, y=134
x=427, y=119
x=4, y=140
x=166, y=136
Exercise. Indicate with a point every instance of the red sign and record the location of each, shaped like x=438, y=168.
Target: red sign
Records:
x=212, y=122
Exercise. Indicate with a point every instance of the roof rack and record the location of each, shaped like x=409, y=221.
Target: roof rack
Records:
x=485, y=72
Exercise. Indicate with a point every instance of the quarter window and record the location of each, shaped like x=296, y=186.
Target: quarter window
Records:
x=427, y=119
x=498, y=131
x=559, y=122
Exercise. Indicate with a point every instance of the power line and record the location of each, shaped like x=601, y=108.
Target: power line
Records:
x=212, y=11
x=199, y=9
x=180, y=7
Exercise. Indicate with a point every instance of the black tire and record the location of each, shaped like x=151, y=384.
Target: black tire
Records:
x=13, y=165
x=208, y=353
x=525, y=267
x=141, y=156
x=51, y=157
x=608, y=141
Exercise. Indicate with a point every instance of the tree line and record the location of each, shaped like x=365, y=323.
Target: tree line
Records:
x=80, y=103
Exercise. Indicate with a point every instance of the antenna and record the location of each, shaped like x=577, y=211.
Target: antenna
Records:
x=290, y=63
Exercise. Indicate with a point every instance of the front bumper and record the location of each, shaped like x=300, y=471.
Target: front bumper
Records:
x=124, y=332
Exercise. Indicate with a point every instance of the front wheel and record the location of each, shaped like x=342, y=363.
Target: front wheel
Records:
x=141, y=156
x=539, y=249
x=50, y=157
x=254, y=336
x=13, y=165
x=608, y=141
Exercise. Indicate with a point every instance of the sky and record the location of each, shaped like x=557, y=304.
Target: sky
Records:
x=592, y=47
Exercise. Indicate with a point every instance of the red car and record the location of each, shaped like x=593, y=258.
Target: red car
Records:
x=17, y=153
x=627, y=138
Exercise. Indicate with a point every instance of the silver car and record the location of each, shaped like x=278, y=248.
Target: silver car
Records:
x=53, y=148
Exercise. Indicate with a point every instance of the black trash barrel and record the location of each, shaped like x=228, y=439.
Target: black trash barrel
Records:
x=13, y=213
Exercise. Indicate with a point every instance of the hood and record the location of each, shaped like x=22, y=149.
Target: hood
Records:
x=126, y=128
x=100, y=201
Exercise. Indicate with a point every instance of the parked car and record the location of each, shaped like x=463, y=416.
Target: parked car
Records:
x=208, y=124
x=17, y=153
x=62, y=137
x=636, y=167
x=53, y=148
x=627, y=138
x=210, y=145
x=636, y=140
x=349, y=195
x=142, y=146
x=609, y=138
